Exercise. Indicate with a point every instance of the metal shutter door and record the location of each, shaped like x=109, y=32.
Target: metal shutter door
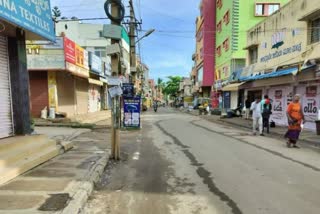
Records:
x=38, y=92
x=82, y=96
x=6, y=126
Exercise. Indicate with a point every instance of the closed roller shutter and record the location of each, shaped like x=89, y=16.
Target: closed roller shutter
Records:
x=66, y=93
x=38, y=92
x=6, y=125
x=94, y=98
x=82, y=95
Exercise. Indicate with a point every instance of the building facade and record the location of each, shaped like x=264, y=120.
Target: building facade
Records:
x=205, y=47
x=65, y=77
x=283, y=59
x=15, y=28
x=233, y=19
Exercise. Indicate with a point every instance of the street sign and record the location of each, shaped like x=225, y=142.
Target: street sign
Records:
x=131, y=108
x=114, y=81
x=112, y=31
x=113, y=49
x=115, y=91
x=128, y=89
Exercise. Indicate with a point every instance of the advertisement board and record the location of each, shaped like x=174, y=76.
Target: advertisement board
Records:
x=34, y=16
x=79, y=56
x=69, y=50
x=95, y=63
x=281, y=97
x=131, y=108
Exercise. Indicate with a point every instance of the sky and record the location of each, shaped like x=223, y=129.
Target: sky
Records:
x=168, y=51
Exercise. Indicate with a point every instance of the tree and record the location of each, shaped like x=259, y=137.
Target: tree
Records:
x=56, y=13
x=172, y=85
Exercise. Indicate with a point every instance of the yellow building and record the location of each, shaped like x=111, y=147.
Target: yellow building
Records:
x=283, y=59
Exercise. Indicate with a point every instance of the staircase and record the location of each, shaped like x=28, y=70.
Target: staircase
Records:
x=20, y=154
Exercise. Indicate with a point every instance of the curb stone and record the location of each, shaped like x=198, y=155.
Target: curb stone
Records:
x=85, y=187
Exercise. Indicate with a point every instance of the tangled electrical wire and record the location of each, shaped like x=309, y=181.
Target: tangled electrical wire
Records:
x=107, y=5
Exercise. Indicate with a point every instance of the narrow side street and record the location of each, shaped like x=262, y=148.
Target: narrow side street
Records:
x=180, y=163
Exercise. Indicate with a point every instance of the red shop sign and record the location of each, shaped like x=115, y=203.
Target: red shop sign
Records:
x=69, y=50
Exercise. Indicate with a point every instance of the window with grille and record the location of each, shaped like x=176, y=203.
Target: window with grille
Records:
x=100, y=52
x=219, y=27
x=219, y=4
x=226, y=44
x=226, y=17
x=253, y=55
x=315, y=31
x=219, y=50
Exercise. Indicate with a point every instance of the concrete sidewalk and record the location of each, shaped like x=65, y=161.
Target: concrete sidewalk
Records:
x=279, y=131
x=78, y=121
x=63, y=184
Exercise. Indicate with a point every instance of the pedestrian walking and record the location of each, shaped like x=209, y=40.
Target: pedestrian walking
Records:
x=247, y=106
x=295, y=118
x=256, y=116
x=266, y=106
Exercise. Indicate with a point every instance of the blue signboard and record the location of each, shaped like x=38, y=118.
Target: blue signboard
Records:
x=95, y=64
x=131, y=108
x=31, y=15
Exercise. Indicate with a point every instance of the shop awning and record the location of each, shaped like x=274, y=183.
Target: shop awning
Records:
x=232, y=87
x=282, y=72
x=95, y=82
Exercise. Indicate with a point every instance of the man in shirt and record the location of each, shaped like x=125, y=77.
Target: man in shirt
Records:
x=256, y=116
x=266, y=107
x=247, y=105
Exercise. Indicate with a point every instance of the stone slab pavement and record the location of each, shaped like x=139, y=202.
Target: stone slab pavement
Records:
x=63, y=184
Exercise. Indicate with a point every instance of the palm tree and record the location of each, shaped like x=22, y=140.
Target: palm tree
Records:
x=172, y=85
x=56, y=13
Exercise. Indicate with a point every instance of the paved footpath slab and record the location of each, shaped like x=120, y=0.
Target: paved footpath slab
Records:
x=63, y=184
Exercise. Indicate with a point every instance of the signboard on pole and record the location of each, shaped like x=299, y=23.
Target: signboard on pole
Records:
x=128, y=89
x=131, y=108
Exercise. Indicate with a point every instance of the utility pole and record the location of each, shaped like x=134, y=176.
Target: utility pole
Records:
x=132, y=34
x=115, y=124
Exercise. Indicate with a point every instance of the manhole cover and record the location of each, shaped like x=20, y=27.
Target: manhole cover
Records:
x=56, y=202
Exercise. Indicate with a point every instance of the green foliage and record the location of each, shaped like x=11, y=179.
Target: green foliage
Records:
x=172, y=85
x=56, y=13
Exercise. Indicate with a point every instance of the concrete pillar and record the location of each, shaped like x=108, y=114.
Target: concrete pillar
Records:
x=19, y=83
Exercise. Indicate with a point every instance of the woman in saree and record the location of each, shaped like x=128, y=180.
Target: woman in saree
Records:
x=295, y=118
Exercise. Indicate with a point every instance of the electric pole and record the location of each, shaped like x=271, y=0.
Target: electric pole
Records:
x=132, y=33
x=116, y=68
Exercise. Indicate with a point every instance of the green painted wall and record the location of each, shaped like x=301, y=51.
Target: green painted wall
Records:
x=238, y=38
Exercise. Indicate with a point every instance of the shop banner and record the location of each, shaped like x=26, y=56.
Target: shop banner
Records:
x=281, y=98
x=69, y=51
x=131, y=109
x=34, y=16
x=310, y=104
x=79, y=56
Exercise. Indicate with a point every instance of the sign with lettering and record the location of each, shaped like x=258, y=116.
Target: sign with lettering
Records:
x=295, y=48
x=76, y=70
x=69, y=50
x=95, y=63
x=131, y=108
x=31, y=15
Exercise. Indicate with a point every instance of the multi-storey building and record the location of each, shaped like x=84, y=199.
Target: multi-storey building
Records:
x=284, y=58
x=233, y=19
x=205, y=46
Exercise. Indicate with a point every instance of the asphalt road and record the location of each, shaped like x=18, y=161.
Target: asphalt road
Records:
x=181, y=164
